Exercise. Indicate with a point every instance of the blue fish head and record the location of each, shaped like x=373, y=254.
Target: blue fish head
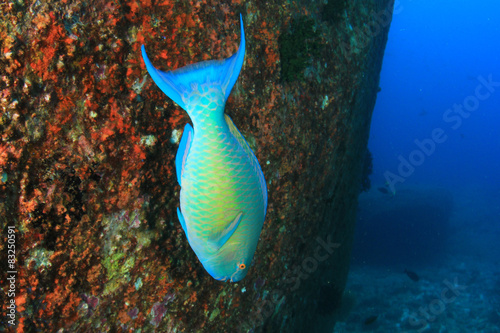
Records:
x=228, y=264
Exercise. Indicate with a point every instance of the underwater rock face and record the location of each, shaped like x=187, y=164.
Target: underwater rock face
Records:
x=88, y=147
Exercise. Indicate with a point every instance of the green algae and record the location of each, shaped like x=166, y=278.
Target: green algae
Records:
x=138, y=284
x=40, y=256
x=118, y=260
x=214, y=314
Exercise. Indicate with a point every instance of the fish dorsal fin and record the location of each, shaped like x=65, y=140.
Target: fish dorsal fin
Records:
x=244, y=144
x=220, y=238
x=183, y=151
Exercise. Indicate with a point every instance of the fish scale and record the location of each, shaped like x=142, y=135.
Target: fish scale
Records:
x=223, y=198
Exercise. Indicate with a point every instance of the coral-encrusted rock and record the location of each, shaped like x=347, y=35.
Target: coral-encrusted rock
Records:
x=87, y=159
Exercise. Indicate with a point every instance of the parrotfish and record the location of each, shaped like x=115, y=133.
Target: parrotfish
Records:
x=223, y=197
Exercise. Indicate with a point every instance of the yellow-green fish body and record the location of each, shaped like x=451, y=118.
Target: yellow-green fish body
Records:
x=223, y=196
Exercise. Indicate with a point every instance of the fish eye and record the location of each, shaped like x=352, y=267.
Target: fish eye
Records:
x=242, y=266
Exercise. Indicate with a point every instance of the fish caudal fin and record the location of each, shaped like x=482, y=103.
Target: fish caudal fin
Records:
x=179, y=84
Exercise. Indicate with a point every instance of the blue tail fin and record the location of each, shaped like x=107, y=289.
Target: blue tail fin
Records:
x=177, y=84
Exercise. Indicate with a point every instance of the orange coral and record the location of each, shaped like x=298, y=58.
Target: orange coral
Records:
x=193, y=298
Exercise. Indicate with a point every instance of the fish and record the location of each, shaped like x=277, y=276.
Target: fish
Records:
x=386, y=190
x=412, y=275
x=370, y=320
x=383, y=190
x=223, y=196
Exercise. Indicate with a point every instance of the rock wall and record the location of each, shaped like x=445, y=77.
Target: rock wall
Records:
x=87, y=160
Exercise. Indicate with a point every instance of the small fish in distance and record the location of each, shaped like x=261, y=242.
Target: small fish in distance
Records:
x=370, y=320
x=412, y=275
x=383, y=190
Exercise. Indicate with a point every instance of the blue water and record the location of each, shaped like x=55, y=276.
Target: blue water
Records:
x=435, y=141
x=436, y=51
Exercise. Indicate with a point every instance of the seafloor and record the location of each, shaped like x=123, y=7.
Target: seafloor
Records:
x=458, y=290
x=87, y=152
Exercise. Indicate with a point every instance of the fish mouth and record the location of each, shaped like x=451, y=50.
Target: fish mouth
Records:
x=231, y=278
x=223, y=279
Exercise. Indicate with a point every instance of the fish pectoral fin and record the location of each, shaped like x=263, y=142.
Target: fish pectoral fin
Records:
x=183, y=151
x=220, y=238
